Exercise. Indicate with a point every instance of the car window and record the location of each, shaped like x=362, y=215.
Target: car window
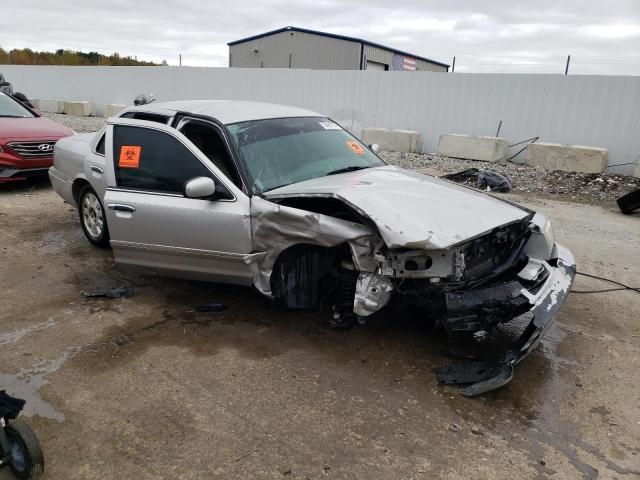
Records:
x=208, y=140
x=281, y=151
x=12, y=108
x=147, y=159
x=100, y=145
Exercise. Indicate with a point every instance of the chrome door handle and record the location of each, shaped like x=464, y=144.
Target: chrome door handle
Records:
x=96, y=169
x=121, y=208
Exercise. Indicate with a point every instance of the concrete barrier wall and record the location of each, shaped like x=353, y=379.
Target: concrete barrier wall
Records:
x=570, y=158
x=406, y=141
x=488, y=149
x=577, y=110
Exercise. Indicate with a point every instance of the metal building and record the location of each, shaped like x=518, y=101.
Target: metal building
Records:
x=293, y=47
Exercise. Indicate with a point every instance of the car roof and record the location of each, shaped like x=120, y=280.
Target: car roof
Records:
x=227, y=111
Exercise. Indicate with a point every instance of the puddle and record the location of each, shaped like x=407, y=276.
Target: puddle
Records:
x=28, y=381
x=12, y=337
x=533, y=400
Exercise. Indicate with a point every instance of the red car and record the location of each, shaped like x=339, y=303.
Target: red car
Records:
x=26, y=141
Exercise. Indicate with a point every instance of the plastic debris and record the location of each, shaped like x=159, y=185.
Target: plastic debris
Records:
x=494, y=181
x=629, y=202
x=110, y=293
x=211, y=307
x=485, y=179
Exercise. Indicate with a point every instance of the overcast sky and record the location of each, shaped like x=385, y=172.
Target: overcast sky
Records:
x=602, y=36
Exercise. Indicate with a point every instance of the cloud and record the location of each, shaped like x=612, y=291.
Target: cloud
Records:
x=487, y=36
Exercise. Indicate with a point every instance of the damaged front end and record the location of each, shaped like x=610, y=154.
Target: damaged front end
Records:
x=324, y=249
x=516, y=271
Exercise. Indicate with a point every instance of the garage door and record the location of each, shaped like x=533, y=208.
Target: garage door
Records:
x=376, y=66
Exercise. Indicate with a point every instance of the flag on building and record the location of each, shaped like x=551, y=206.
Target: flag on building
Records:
x=400, y=62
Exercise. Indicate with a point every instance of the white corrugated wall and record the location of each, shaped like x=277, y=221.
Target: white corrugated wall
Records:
x=587, y=110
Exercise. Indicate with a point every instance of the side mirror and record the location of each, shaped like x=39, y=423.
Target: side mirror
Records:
x=199, y=187
x=375, y=148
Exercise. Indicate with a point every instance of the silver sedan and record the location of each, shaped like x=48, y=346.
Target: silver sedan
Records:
x=289, y=202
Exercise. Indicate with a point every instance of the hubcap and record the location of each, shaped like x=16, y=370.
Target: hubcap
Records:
x=17, y=456
x=92, y=215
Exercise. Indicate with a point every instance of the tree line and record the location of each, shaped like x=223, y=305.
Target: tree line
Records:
x=26, y=56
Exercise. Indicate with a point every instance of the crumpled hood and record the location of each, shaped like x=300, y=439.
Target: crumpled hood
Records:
x=411, y=210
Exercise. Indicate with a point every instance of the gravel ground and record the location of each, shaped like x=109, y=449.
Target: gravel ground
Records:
x=568, y=186
x=79, y=124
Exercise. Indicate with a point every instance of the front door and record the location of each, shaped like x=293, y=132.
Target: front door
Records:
x=152, y=223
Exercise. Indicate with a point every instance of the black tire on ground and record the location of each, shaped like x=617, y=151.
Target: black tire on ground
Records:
x=89, y=203
x=629, y=202
x=22, y=438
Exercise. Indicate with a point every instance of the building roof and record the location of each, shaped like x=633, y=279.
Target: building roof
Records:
x=228, y=111
x=333, y=35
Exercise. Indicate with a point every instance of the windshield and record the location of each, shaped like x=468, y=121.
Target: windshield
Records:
x=11, y=108
x=281, y=151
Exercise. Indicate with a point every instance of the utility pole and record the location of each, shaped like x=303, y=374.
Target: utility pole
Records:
x=180, y=60
x=453, y=67
x=566, y=68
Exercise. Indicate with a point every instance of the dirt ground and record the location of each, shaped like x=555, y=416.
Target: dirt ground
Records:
x=144, y=387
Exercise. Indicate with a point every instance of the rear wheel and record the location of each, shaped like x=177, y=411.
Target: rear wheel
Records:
x=26, y=458
x=92, y=217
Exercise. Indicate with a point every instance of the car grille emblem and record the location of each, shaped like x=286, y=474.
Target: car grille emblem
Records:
x=45, y=147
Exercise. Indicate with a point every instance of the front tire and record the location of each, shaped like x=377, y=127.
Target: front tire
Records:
x=26, y=458
x=93, y=218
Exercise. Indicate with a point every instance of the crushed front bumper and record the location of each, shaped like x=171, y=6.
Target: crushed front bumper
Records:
x=486, y=375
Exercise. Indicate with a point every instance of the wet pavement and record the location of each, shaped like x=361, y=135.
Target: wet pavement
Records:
x=147, y=387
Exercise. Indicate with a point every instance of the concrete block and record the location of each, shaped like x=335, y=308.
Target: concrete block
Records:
x=50, y=106
x=80, y=109
x=406, y=141
x=570, y=158
x=113, y=109
x=472, y=147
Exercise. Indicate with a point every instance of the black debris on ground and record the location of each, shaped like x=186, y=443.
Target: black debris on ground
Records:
x=211, y=307
x=630, y=202
x=110, y=293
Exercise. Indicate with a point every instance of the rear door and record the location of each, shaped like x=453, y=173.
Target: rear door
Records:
x=153, y=225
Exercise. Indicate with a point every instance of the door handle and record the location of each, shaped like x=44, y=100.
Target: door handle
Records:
x=121, y=207
x=96, y=169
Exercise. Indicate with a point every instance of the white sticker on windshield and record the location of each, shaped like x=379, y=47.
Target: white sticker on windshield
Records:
x=329, y=125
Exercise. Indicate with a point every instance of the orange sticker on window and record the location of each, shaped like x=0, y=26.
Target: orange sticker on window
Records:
x=129, y=156
x=356, y=147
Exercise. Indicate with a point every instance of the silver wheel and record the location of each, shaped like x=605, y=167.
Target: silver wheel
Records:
x=92, y=215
